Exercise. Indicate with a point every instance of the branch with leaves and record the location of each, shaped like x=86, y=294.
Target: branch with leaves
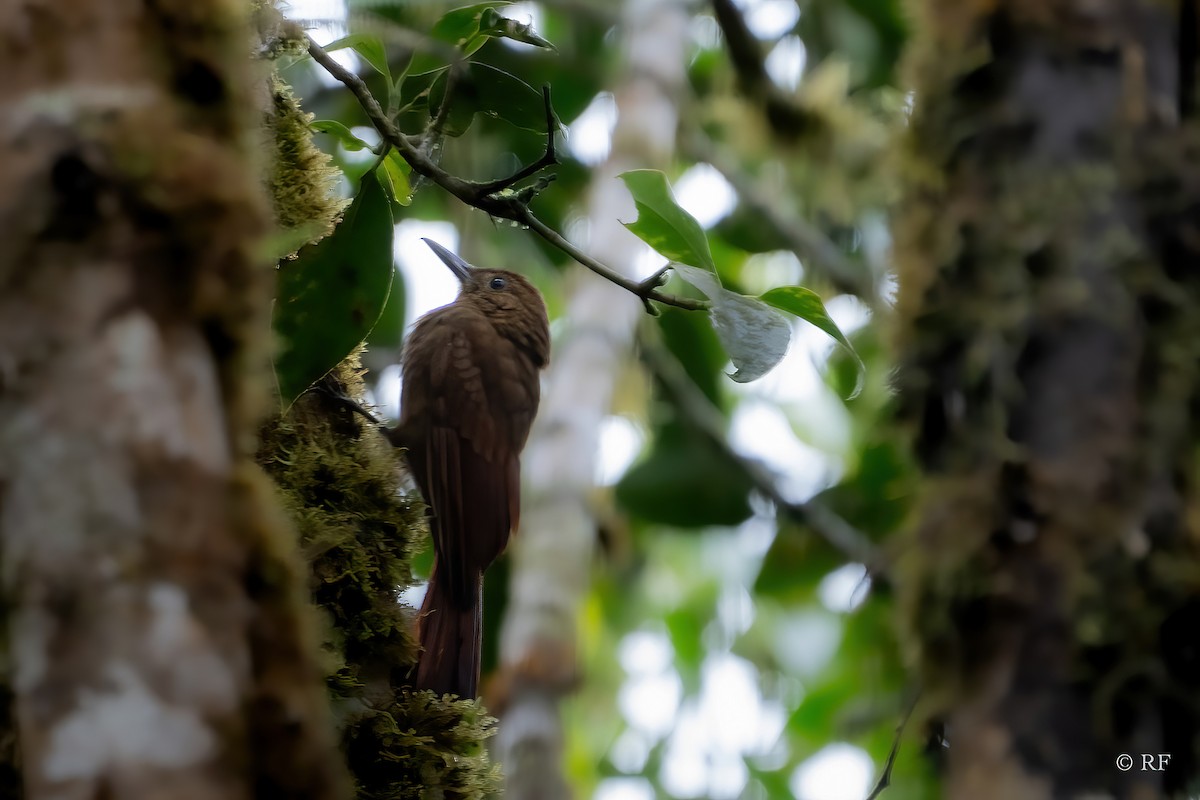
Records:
x=496, y=198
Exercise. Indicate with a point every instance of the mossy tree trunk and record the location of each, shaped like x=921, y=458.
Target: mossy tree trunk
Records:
x=1050, y=334
x=156, y=636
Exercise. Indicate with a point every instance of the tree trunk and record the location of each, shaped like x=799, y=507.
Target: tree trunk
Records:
x=1049, y=333
x=157, y=635
x=553, y=552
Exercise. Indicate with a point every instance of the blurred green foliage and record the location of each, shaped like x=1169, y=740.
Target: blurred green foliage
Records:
x=703, y=567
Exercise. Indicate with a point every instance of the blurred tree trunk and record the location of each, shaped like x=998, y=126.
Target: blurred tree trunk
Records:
x=553, y=552
x=1050, y=335
x=156, y=635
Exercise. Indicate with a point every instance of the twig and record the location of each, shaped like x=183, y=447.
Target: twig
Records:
x=484, y=196
x=786, y=118
x=438, y=122
x=548, y=159
x=697, y=409
x=807, y=241
x=885, y=779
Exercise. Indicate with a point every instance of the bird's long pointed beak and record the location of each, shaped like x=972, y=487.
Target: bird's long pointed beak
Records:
x=460, y=268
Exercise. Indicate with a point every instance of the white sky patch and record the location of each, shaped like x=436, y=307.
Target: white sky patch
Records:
x=590, y=135
x=649, y=702
x=414, y=595
x=760, y=430
x=324, y=21
x=624, y=789
x=806, y=640
x=844, y=589
x=649, y=699
x=630, y=751
x=729, y=720
x=387, y=391
x=770, y=19
x=836, y=772
x=785, y=62
x=705, y=194
x=647, y=262
x=620, y=443
x=368, y=135
x=765, y=271
x=429, y=284
x=848, y=312
x=645, y=653
x=735, y=612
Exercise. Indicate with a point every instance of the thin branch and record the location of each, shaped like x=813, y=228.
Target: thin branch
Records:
x=437, y=123
x=548, y=159
x=505, y=205
x=885, y=779
x=808, y=242
x=786, y=118
x=701, y=413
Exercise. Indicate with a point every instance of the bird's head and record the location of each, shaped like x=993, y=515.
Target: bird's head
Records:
x=510, y=301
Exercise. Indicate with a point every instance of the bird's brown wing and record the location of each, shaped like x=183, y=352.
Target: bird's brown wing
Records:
x=460, y=407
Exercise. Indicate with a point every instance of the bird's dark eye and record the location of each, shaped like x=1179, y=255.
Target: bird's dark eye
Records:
x=498, y=283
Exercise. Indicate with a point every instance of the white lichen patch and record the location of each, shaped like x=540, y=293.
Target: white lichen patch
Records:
x=195, y=672
x=127, y=726
x=170, y=389
x=32, y=629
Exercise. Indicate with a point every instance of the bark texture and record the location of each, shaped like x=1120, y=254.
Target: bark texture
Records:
x=157, y=639
x=1050, y=334
x=553, y=551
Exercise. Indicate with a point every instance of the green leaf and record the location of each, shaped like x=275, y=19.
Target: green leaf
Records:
x=690, y=338
x=372, y=51
x=482, y=89
x=340, y=132
x=662, y=223
x=460, y=28
x=393, y=174
x=369, y=47
x=328, y=298
x=685, y=482
x=492, y=23
x=389, y=329
x=415, y=89
x=755, y=336
x=806, y=304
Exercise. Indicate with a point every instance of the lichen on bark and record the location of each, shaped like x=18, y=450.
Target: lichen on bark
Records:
x=144, y=573
x=1049, y=331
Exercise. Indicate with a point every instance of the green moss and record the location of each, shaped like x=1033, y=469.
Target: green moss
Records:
x=342, y=485
x=301, y=180
x=423, y=747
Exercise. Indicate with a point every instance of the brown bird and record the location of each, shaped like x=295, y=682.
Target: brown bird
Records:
x=470, y=392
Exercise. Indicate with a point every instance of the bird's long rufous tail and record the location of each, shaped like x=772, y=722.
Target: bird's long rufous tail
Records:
x=451, y=637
